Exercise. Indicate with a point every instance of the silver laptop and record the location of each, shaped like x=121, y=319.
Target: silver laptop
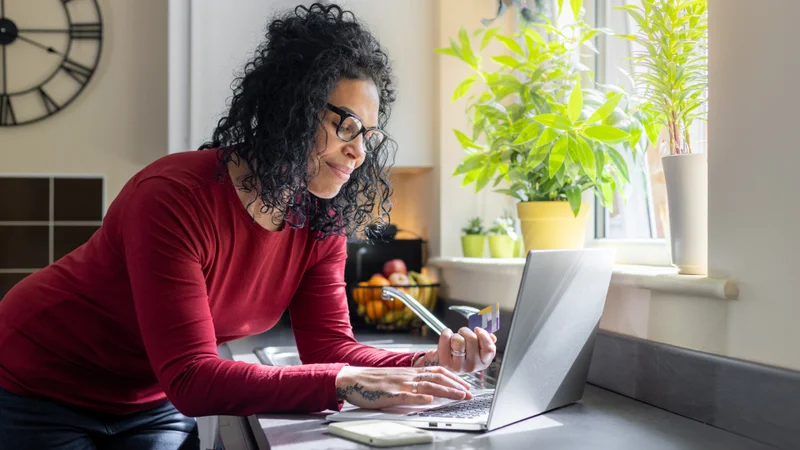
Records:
x=546, y=360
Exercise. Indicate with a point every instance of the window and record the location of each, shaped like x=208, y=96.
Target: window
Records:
x=639, y=226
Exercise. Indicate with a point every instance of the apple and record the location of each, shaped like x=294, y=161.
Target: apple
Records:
x=399, y=279
x=394, y=266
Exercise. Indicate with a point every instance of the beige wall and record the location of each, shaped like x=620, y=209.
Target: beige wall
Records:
x=753, y=232
x=119, y=123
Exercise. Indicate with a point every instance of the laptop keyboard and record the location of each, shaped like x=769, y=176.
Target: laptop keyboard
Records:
x=465, y=409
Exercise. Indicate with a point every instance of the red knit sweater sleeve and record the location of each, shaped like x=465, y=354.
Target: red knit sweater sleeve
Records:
x=321, y=321
x=163, y=243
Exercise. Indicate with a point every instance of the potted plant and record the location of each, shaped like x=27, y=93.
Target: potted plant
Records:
x=538, y=130
x=473, y=239
x=673, y=78
x=502, y=237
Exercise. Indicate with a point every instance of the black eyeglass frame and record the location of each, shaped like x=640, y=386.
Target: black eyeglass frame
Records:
x=343, y=115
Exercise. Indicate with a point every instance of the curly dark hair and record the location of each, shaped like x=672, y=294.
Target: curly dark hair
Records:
x=275, y=113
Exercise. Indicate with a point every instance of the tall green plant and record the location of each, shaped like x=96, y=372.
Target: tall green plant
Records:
x=534, y=124
x=674, y=35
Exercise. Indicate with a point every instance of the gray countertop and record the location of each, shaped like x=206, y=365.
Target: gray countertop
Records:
x=601, y=420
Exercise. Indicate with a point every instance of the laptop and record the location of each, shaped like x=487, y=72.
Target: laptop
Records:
x=546, y=360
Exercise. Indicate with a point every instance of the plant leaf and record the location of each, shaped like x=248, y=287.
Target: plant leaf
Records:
x=605, y=133
x=653, y=131
x=466, y=48
x=586, y=159
x=446, y=51
x=574, y=198
x=535, y=35
x=485, y=176
x=605, y=109
x=553, y=120
x=507, y=60
x=607, y=195
x=575, y=103
x=463, y=87
x=619, y=163
x=470, y=163
x=558, y=154
x=529, y=133
x=465, y=141
x=535, y=157
x=576, y=7
x=546, y=137
x=511, y=44
x=488, y=36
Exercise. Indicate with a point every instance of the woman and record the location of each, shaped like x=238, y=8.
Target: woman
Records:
x=115, y=344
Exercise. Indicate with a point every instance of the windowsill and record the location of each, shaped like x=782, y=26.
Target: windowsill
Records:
x=654, y=278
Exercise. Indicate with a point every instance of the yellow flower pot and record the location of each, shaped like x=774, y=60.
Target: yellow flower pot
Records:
x=473, y=245
x=552, y=225
x=501, y=246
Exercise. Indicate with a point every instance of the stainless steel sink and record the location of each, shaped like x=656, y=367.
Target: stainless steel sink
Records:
x=287, y=356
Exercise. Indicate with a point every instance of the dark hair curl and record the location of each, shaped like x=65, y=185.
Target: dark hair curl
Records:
x=275, y=112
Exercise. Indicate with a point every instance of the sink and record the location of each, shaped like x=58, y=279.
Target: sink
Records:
x=288, y=356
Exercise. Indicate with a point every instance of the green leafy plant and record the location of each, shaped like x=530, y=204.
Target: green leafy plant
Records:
x=504, y=226
x=474, y=227
x=674, y=35
x=535, y=126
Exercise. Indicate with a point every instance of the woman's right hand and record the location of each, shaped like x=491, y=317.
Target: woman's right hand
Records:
x=382, y=387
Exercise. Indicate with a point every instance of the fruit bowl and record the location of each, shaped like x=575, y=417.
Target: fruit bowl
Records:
x=392, y=314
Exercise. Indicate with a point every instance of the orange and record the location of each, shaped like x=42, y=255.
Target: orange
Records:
x=377, y=280
x=376, y=309
x=362, y=295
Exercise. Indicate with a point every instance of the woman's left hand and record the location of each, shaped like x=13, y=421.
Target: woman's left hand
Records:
x=463, y=352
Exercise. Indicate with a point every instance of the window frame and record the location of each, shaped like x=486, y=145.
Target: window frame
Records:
x=651, y=252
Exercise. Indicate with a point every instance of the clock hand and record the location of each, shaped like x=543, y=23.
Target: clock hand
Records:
x=36, y=44
x=2, y=9
x=5, y=77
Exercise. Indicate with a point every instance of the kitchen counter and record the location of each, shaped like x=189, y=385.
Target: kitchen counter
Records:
x=601, y=420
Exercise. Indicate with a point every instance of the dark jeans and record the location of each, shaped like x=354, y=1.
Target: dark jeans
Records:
x=30, y=423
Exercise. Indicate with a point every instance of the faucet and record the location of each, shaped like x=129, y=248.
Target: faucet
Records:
x=394, y=294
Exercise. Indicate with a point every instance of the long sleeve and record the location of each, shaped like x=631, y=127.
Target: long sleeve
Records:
x=321, y=321
x=164, y=243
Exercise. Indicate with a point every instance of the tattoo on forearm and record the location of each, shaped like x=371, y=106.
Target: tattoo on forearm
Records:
x=429, y=363
x=372, y=396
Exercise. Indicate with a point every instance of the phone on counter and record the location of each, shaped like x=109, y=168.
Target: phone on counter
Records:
x=380, y=433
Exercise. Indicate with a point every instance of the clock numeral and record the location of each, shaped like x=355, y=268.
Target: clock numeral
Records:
x=86, y=30
x=48, y=101
x=77, y=71
x=7, y=116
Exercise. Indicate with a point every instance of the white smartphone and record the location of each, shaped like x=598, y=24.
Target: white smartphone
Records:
x=380, y=433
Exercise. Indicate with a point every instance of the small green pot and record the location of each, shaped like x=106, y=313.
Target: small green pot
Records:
x=519, y=249
x=472, y=245
x=501, y=247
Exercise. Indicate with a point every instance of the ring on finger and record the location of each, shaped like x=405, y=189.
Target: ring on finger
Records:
x=458, y=353
x=414, y=387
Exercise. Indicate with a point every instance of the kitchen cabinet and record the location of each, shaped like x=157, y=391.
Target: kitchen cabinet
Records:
x=211, y=40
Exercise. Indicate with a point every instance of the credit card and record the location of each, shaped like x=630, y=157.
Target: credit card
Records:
x=488, y=318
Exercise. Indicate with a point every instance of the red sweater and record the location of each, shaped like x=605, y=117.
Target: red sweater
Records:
x=134, y=316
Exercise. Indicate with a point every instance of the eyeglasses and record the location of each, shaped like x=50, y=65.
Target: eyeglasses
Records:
x=350, y=126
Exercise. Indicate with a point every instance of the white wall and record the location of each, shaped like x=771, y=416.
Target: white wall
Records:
x=219, y=51
x=753, y=160
x=119, y=123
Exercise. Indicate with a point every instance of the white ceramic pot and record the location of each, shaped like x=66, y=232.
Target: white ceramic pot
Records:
x=687, y=198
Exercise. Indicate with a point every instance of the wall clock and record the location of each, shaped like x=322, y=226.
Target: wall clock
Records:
x=49, y=51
